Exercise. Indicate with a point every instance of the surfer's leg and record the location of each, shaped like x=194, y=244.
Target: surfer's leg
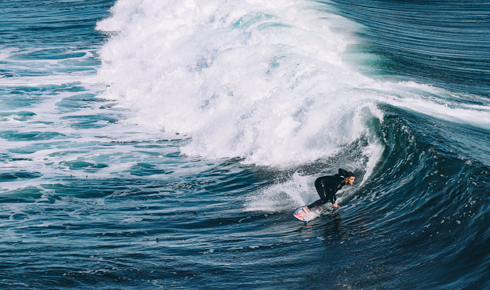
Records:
x=321, y=192
x=316, y=203
x=320, y=189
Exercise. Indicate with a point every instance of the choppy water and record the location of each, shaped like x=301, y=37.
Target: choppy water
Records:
x=154, y=144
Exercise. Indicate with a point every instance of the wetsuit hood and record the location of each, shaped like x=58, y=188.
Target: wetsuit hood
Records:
x=342, y=173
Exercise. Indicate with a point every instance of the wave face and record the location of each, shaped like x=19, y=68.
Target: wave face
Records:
x=165, y=144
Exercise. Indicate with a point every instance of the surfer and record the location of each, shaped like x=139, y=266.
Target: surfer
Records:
x=327, y=187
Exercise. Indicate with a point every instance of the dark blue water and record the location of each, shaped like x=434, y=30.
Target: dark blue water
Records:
x=165, y=145
x=443, y=43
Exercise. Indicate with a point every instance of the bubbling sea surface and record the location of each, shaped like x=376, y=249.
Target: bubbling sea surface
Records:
x=165, y=144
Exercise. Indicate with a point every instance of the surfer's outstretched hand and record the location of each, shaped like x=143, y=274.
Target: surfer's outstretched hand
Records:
x=335, y=205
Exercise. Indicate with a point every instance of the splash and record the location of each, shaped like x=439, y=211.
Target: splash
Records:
x=262, y=81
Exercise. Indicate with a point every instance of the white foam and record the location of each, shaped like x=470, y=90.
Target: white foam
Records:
x=5, y=53
x=295, y=192
x=475, y=115
x=260, y=80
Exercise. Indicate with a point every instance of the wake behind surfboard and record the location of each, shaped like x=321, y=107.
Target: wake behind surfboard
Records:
x=305, y=216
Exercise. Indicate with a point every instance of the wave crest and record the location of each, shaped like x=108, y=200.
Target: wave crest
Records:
x=263, y=81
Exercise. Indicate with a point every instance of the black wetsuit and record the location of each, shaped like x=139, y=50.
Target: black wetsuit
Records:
x=327, y=187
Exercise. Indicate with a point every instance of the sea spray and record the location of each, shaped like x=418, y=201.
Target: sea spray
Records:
x=261, y=81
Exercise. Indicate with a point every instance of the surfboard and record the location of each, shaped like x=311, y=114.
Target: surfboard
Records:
x=306, y=217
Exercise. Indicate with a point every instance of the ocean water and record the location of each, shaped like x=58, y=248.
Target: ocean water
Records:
x=165, y=144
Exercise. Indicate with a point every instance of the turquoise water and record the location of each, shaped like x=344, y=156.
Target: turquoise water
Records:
x=165, y=144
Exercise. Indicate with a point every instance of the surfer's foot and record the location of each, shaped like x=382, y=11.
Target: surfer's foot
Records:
x=306, y=210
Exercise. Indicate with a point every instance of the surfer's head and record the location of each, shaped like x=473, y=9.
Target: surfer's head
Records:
x=349, y=178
